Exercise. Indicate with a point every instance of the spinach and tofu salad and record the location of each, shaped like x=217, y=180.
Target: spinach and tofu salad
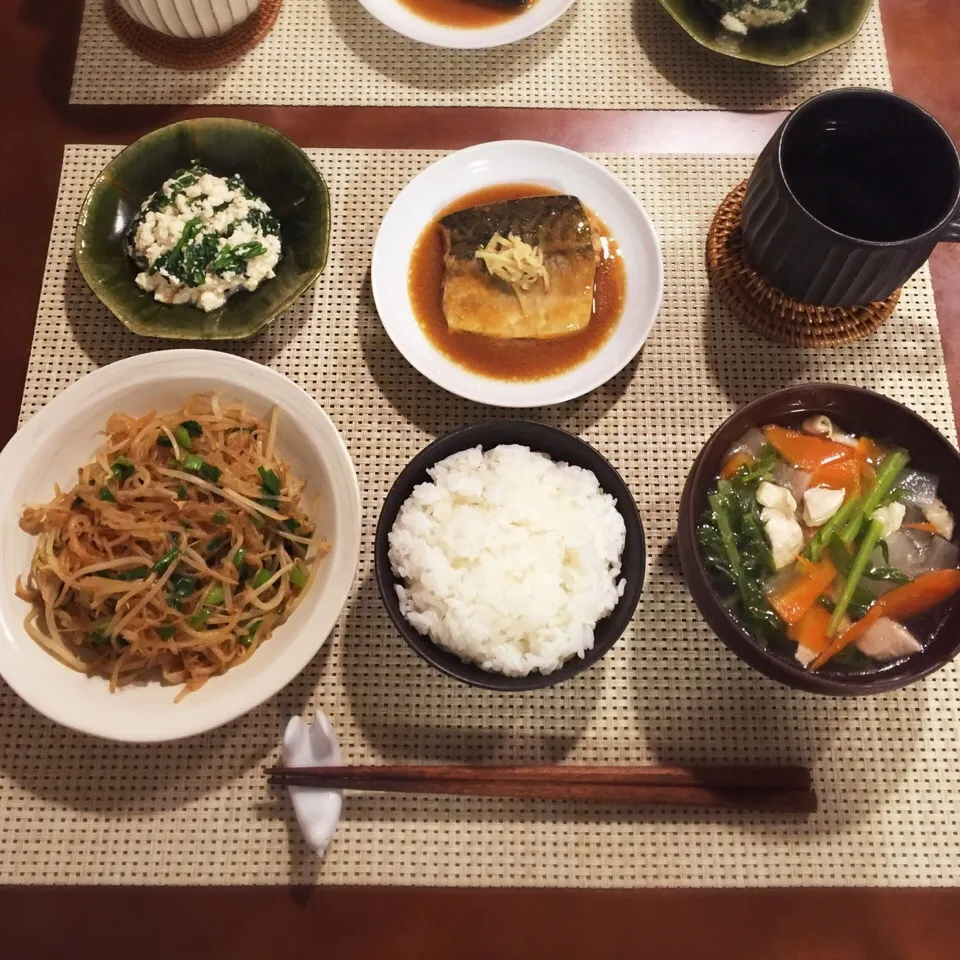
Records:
x=829, y=547
x=201, y=238
x=741, y=16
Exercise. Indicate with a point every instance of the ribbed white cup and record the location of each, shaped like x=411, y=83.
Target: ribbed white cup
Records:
x=190, y=19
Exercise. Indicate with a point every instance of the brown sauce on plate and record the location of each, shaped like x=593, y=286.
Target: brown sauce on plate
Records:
x=466, y=13
x=512, y=359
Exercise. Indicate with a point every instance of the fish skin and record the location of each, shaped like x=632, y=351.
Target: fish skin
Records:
x=474, y=301
x=552, y=222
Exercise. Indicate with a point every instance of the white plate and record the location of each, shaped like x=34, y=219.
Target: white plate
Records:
x=403, y=20
x=64, y=435
x=517, y=161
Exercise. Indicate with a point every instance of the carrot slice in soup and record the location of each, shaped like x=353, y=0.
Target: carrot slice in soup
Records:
x=870, y=451
x=921, y=527
x=794, y=600
x=839, y=475
x=804, y=451
x=738, y=460
x=810, y=630
x=904, y=602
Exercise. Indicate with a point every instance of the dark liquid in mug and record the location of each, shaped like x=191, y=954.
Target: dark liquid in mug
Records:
x=858, y=185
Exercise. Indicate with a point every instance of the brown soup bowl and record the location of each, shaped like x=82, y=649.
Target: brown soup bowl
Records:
x=857, y=411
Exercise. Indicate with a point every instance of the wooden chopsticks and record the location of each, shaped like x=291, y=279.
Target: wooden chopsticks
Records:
x=785, y=789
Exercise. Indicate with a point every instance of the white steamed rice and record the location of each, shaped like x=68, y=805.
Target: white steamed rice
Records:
x=508, y=559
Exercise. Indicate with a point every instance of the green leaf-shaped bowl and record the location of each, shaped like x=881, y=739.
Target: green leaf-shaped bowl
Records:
x=273, y=167
x=824, y=25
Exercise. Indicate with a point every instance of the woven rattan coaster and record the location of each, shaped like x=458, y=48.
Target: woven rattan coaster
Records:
x=180, y=54
x=770, y=312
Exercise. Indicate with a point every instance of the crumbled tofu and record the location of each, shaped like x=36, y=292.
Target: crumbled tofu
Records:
x=938, y=514
x=776, y=497
x=820, y=504
x=785, y=535
x=891, y=516
x=731, y=23
x=886, y=639
x=805, y=655
x=233, y=243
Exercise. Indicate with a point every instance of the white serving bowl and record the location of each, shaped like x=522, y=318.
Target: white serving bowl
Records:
x=190, y=19
x=403, y=20
x=517, y=161
x=65, y=434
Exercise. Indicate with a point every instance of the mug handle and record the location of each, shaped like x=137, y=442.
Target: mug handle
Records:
x=952, y=233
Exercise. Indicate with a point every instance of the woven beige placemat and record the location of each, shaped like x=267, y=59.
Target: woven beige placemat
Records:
x=77, y=810
x=625, y=54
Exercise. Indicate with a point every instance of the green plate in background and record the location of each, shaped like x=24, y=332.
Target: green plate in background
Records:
x=273, y=167
x=824, y=25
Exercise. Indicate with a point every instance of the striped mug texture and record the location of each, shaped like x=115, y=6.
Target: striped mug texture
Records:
x=190, y=19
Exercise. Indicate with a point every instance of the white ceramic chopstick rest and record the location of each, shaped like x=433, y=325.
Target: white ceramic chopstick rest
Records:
x=314, y=745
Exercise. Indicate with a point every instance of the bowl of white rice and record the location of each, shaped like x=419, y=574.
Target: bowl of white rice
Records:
x=510, y=555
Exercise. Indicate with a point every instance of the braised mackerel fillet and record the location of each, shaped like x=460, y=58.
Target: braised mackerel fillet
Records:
x=519, y=268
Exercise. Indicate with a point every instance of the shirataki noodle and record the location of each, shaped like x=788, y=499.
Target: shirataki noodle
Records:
x=180, y=549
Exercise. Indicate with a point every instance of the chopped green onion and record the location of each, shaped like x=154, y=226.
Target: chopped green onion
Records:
x=136, y=573
x=123, y=469
x=219, y=518
x=182, y=492
x=200, y=617
x=214, y=595
x=166, y=631
x=193, y=463
x=263, y=575
x=298, y=576
x=209, y=472
x=164, y=441
x=271, y=482
x=192, y=428
x=107, y=494
x=182, y=437
x=238, y=557
x=98, y=632
x=181, y=586
x=251, y=633
x=161, y=565
x=291, y=524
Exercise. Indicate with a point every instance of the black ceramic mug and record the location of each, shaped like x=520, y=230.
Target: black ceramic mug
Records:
x=850, y=197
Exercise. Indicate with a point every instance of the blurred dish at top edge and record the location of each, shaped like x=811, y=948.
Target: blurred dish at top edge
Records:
x=822, y=26
x=405, y=20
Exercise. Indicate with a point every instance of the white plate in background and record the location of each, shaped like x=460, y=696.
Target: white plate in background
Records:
x=517, y=161
x=538, y=16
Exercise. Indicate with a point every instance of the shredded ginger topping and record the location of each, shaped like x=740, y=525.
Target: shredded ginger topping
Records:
x=511, y=259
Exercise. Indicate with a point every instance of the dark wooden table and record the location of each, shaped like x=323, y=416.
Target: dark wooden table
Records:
x=38, y=43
